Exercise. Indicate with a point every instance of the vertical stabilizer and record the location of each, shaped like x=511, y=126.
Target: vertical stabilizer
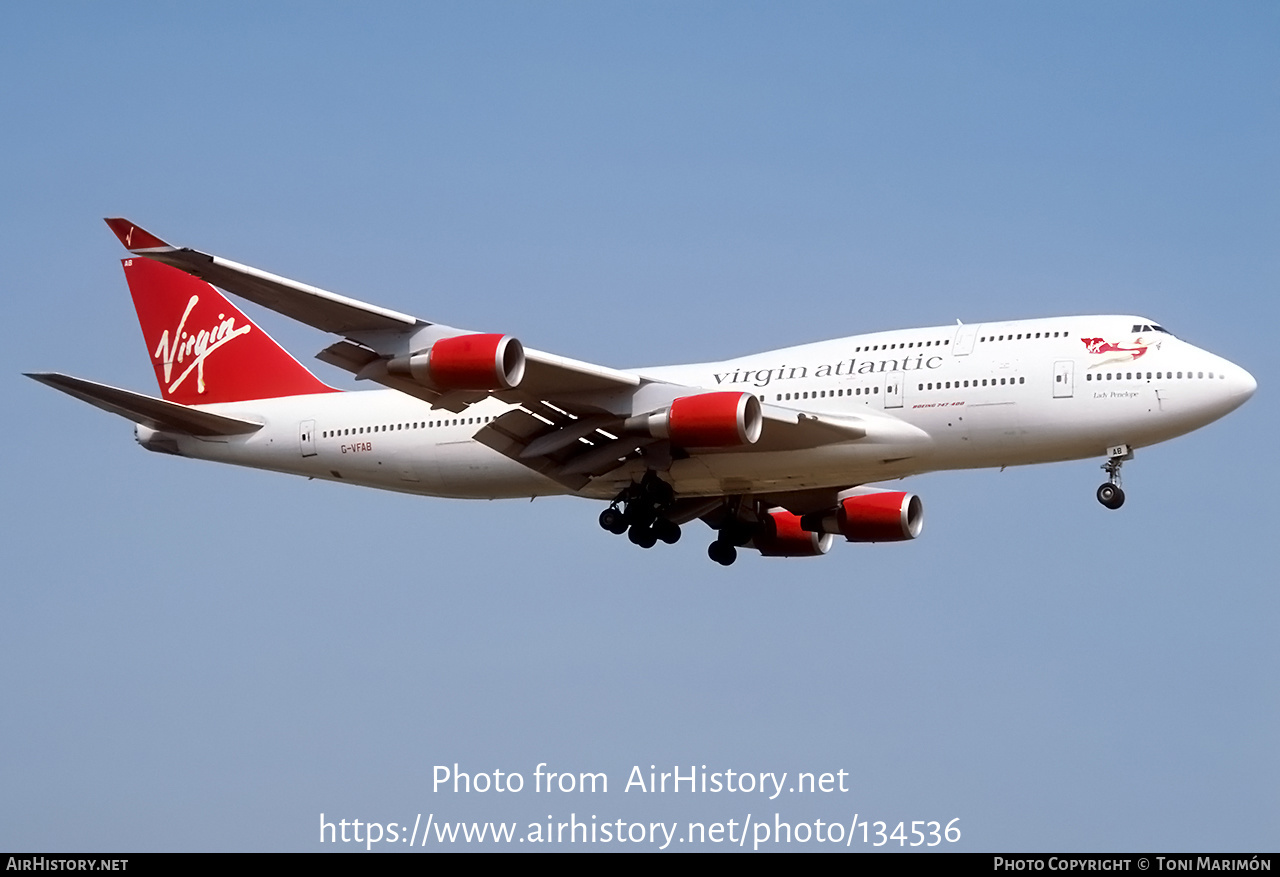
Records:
x=203, y=348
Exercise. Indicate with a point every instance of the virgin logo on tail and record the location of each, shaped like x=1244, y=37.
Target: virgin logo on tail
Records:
x=185, y=320
x=198, y=345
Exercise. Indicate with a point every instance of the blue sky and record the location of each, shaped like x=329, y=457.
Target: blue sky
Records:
x=205, y=658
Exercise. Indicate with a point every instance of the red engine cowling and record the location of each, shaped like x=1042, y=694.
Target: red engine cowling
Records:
x=708, y=420
x=468, y=362
x=780, y=535
x=881, y=516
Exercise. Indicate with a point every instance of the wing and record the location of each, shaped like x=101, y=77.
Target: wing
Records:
x=375, y=337
x=575, y=421
x=327, y=311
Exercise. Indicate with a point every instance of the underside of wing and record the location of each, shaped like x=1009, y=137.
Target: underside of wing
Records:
x=574, y=446
x=567, y=448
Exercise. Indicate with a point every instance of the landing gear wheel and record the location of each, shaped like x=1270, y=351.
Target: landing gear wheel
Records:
x=613, y=520
x=642, y=536
x=1111, y=496
x=667, y=531
x=722, y=553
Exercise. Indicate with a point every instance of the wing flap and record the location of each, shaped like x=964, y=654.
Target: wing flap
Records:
x=568, y=449
x=511, y=433
x=147, y=410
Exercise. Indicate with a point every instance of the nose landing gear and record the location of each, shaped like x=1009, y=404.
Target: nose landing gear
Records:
x=1110, y=494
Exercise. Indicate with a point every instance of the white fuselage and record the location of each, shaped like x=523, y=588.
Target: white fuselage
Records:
x=982, y=395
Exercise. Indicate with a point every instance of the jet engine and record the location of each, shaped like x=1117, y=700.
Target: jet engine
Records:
x=466, y=362
x=708, y=420
x=780, y=535
x=888, y=516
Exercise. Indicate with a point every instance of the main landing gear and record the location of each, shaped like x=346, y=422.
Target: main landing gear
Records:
x=722, y=552
x=732, y=532
x=732, y=535
x=1110, y=494
x=639, y=512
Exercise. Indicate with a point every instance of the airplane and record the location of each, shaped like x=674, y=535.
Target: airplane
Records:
x=778, y=452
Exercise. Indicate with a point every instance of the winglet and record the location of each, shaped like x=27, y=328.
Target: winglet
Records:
x=135, y=238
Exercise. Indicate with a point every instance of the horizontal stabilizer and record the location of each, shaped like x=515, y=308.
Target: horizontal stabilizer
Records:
x=147, y=410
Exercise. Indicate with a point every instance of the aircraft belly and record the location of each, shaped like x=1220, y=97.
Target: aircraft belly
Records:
x=462, y=469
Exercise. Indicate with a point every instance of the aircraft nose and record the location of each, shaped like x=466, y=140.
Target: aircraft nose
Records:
x=1239, y=384
x=1243, y=385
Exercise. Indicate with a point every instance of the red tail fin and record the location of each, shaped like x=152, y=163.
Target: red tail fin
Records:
x=203, y=348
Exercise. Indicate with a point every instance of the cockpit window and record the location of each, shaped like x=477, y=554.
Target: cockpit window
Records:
x=1139, y=328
